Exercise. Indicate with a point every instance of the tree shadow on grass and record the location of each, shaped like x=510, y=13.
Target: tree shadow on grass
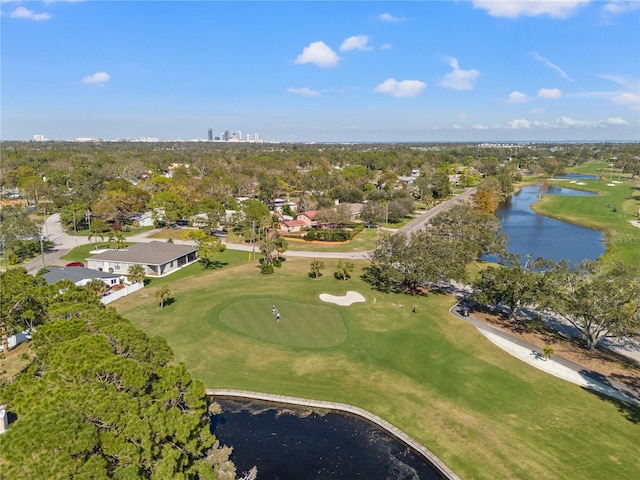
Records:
x=168, y=301
x=628, y=410
x=214, y=265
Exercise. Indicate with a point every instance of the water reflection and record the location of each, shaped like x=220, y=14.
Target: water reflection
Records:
x=539, y=236
x=291, y=444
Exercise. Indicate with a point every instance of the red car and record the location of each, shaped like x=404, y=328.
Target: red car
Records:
x=75, y=264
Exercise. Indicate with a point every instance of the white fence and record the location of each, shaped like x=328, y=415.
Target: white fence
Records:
x=134, y=287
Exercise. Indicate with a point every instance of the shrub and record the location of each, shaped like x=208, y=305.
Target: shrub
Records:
x=266, y=269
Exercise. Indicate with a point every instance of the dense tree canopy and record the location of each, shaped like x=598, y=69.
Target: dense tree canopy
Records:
x=102, y=400
x=438, y=253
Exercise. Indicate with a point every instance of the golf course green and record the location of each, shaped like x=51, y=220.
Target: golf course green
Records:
x=486, y=414
x=284, y=322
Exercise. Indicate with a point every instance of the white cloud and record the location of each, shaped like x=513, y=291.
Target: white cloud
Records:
x=517, y=97
x=626, y=98
x=320, y=54
x=22, y=12
x=356, y=42
x=559, y=123
x=518, y=124
x=459, y=79
x=456, y=127
x=626, y=82
x=540, y=58
x=619, y=7
x=529, y=8
x=403, y=89
x=386, y=46
x=542, y=124
x=98, y=77
x=387, y=17
x=305, y=92
x=571, y=122
x=550, y=93
x=617, y=121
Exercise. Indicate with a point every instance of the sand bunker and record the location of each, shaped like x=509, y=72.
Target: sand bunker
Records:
x=345, y=300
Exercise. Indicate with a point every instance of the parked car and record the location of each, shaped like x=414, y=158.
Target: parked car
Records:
x=75, y=264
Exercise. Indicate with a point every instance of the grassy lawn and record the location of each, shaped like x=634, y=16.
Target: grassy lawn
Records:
x=365, y=240
x=485, y=413
x=622, y=238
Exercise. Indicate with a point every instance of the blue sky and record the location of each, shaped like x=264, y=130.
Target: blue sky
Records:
x=364, y=71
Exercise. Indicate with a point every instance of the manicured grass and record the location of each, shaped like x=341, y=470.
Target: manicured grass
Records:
x=299, y=325
x=485, y=413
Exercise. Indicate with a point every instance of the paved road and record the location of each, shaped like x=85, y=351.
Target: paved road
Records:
x=418, y=223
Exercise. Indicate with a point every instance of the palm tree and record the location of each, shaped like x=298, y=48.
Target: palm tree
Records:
x=95, y=236
x=163, y=294
x=136, y=273
x=97, y=286
x=116, y=239
x=343, y=272
x=316, y=267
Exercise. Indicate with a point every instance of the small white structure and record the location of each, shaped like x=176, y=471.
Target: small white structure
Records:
x=4, y=421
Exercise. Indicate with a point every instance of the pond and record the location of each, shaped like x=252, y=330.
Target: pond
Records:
x=576, y=176
x=288, y=443
x=539, y=236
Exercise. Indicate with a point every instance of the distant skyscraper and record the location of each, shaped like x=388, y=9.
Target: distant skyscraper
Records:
x=210, y=135
x=226, y=136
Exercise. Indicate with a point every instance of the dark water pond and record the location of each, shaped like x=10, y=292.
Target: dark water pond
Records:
x=289, y=444
x=540, y=236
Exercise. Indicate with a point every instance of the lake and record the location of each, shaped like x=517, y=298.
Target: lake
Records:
x=289, y=443
x=540, y=236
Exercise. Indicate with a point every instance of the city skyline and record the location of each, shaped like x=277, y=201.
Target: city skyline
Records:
x=322, y=71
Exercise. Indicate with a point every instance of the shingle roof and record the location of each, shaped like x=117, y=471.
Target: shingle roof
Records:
x=152, y=253
x=294, y=223
x=75, y=274
x=310, y=214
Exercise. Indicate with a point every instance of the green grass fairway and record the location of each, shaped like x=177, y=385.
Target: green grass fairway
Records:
x=300, y=325
x=482, y=411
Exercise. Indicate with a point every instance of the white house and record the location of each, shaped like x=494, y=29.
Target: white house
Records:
x=157, y=258
x=80, y=276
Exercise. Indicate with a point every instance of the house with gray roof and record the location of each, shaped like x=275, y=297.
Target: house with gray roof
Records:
x=157, y=258
x=80, y=276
